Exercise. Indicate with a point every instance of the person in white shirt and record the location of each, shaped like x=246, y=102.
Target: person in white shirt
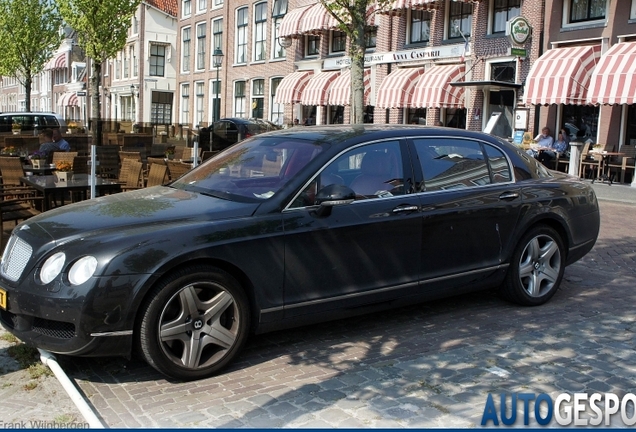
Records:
x=543, y=141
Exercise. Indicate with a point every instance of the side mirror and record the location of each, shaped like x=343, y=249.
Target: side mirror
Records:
x=334, y=195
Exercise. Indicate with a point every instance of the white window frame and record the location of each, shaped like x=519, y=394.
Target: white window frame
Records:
x=409, y=27
x=447, y=29
x=566, y=16
x=186, y=13
x=240, y=100
x=217, y=4
x=199, y=105
x=213, y=96
x=202, y=6
x=241, y=36
x=200, y=47
x=491, y=18
x=185, y=66
x=277, y=111
x=632, y=13
x=332, y=33
x=259, y=30
x=184, y=108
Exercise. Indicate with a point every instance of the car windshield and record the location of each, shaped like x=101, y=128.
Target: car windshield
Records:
x=251, y=171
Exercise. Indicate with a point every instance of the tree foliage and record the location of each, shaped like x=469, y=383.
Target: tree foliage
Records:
x=102, y=29
x=29, y=35
x=352, y=17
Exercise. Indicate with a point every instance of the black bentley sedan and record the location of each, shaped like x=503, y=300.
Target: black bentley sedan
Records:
x=289, y=228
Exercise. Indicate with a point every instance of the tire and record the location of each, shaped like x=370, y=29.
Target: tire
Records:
x=536, y=268
x=194, y=323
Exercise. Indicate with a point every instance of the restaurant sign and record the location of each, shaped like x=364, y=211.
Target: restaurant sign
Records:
x=428, y=53
x=518, y=30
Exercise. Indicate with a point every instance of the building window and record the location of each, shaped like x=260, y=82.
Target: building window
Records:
x=157, y=60
x=503, y=11
x=186, y=8
x=260, y=31
x=126, y=65
x=202, y=5
x=258, y=98
x=185, y=104
x=161, y=108
x=370, y=37
x=201, y=46
x=420, y=26
x=199, y=94
x=218, y=3
x=312, y=45
x=133, y=60
x=632, y=14
x=338, y=41
x=185, y=51
x=215, y=103
x=135, y=25
x=587, y=10
x=239, y=99
x=278, y=110
x=217, y=34
x=460, y=19
x=241, y=35
x=504, y=72
x=416, y=116
x=117, y=71
x=278, y=12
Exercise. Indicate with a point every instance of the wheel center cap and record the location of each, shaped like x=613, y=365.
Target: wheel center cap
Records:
x=197, y=324
x=537, y=266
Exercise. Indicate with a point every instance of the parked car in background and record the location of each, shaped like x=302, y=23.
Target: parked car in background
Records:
x=289, y=228
x=30, y=121
x=228, y=131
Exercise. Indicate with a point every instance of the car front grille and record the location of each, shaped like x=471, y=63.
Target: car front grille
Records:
x=55, y=329
x=15, y=258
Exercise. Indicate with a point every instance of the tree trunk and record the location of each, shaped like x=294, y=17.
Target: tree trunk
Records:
x=96, y=118
x=28, y=83
x=357, y=49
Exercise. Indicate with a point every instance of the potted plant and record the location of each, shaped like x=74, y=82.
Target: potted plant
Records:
x=170, y=153
x=9, y=151
x=16, y=128
x=37, y=159
x=64, y=171
x=72, y=127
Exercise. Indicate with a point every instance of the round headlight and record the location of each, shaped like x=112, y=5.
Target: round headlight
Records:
x=82, y=270
x=52, y=267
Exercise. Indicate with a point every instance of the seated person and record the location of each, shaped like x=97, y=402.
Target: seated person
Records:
x=559, y=147
x=61, y=142
x=47, y=145
x=542, y=141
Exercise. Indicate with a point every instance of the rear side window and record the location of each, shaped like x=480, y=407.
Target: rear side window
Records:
x=51, y=121
x=457, y=164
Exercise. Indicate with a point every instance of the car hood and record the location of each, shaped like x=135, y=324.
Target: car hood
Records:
x=143, y=209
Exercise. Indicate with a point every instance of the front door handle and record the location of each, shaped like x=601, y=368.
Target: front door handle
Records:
x=406, y=208
x=509, y=196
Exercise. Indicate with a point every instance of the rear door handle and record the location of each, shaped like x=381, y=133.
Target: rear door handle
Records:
x=406, y=208
x=509, y=196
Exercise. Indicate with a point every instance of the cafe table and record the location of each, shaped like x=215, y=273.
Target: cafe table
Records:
x=50, y=188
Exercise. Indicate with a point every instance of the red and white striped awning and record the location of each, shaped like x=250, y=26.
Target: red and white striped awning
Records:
x=340, y=93
x=433, y=90
x=396, y=90
x=291, y=87
x=562, y=76
x=290, y=24
x=371, y=11
x=57, y=62
x=68, y=99
x=317, y=90
x=403, y=5
x=614, y=77
x=315, y=20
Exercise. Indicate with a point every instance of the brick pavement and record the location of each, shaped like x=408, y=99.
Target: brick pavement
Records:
x=427, y=365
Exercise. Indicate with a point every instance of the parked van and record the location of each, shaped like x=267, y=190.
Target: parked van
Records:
x=29, y=121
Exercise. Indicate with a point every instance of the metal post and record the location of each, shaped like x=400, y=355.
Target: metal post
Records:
x=93, y=169
x=216, y=107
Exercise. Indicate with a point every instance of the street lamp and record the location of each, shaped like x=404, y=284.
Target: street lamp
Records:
x=217, y=61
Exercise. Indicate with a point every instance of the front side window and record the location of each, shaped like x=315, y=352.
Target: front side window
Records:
x=185, y=50
x=503, y=11
x=372, y=171
x=260, y=31
x=313, y=45
x=201, y=46
x=460, y=19
x=587, y=10
x=457, y=164
x=420, y=26
x=185, y=104
x=239, y=99
x=338, y=41
x=157, y=60
x=241, y=35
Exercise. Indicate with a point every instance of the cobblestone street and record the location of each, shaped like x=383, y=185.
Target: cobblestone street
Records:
x=428, y=365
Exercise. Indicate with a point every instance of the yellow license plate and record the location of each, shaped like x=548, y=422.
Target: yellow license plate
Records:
x=3, y=299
